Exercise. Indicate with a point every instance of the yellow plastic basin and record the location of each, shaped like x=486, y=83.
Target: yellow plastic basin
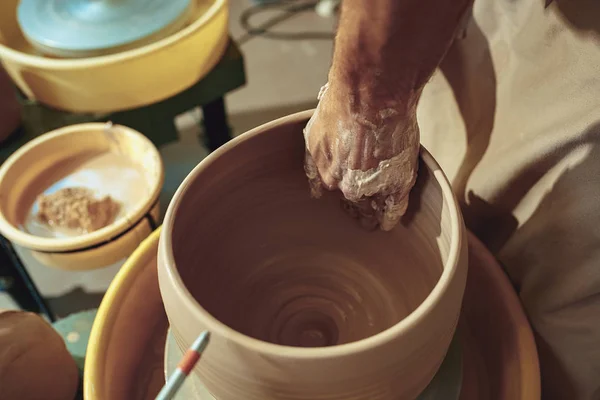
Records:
x=125, y=354
x=124, y=359
x=121, y=81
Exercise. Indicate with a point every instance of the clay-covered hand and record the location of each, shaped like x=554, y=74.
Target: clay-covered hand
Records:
x=367, y=149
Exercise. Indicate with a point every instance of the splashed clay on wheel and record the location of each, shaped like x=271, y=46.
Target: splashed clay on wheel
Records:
x=301, y=301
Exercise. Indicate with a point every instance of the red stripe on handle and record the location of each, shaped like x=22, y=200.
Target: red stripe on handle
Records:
x=188, y=361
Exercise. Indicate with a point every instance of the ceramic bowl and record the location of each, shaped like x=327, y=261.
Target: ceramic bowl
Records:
x=111, y=160
x=115, y=82
x=301, y=301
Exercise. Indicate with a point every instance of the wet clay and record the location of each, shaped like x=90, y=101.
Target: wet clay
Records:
x=271, y=262
x=34, y=361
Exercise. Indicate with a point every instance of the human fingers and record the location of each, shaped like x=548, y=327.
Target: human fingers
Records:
x=361, y=211
x=390, y=209
x=312, y=173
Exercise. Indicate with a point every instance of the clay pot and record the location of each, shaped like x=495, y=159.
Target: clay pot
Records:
x=34, y=361
x=301, y=301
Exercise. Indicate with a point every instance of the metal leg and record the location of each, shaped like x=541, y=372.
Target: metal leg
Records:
x=157, y=126
x=215, y=124
x=15, y=280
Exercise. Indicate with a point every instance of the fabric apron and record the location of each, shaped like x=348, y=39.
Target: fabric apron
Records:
x=513, y=117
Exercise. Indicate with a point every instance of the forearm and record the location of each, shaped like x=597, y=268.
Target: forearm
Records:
x=388, y=49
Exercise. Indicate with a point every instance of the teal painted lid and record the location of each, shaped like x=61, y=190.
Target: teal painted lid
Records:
x=87, y=26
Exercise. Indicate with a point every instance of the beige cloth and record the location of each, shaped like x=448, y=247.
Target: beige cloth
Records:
x=514, y=120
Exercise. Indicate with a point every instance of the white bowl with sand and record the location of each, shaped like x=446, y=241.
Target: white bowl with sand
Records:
x=110, y=164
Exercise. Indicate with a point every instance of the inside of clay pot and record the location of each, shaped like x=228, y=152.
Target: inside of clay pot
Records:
x=264, y=258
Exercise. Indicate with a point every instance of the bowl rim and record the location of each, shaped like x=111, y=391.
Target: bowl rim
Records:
x=220, y=329
x=56, y=245
x=106, y=316
x=12, y=55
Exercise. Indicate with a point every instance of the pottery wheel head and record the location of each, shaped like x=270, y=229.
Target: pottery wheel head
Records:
x=264, y=258
x=72, y=28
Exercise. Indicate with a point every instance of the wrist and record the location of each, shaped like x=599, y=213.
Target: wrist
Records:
x=364, y=69
x=369, y=52
x=365, y=92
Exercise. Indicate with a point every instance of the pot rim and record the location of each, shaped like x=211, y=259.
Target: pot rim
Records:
x=15, y=56
x=217, y=328
x=60, y=245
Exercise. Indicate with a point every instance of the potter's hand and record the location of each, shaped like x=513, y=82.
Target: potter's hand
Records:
x=368, y=151
x=363, y=138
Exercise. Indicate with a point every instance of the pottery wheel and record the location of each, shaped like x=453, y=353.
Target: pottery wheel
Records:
x=446, y=384
x=127, y=344
x=83, y=27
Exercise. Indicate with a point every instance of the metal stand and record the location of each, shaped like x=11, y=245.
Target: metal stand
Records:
x=156, y=121
x=215, y=124
x=15, y=280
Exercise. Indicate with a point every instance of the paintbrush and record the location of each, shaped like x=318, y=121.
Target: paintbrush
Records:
x=185, y=366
